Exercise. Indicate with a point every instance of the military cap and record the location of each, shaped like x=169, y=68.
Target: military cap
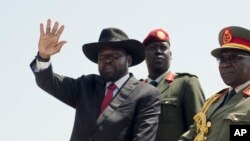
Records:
x=157, y=35
x=233, y=37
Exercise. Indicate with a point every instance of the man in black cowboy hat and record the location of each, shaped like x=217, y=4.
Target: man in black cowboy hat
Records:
x=111, y=107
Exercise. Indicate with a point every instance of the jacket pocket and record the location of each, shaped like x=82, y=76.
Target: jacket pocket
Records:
x=169, y=109
x=238, y=118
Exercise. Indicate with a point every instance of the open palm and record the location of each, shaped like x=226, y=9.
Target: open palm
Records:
x=49, y=43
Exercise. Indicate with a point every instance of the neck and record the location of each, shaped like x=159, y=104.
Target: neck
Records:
x=155, y=72
x=155, y=75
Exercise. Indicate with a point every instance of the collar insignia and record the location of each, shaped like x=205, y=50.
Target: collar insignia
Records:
x=170, y=76
x=246, y=92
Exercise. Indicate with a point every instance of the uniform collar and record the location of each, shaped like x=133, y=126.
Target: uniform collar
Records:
x=169, y=77
x=240, y=87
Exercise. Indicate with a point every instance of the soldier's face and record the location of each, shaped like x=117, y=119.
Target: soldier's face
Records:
x=234, y=67
x=113, y=63
x=158, y=56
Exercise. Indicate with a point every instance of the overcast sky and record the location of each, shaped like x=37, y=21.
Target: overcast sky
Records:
x=30, y=114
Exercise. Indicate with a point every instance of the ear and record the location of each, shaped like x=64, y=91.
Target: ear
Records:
x=129, y=60
x=170, y=55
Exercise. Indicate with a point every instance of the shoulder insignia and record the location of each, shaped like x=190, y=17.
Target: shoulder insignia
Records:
x=246, y=92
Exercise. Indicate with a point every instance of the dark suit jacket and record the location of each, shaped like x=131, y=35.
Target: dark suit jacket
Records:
x=236, y=111
x=182, y=98
x=131, y=116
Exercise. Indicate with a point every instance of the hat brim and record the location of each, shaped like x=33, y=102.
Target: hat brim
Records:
x=135, y=48
x=217, y=52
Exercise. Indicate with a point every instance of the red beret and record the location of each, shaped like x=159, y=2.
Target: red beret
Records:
x=156, y=35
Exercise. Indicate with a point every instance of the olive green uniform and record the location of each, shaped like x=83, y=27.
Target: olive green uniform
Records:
x=235, y=111
x=182, y=98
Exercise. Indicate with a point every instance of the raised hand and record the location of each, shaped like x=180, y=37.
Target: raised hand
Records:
x=49, y=43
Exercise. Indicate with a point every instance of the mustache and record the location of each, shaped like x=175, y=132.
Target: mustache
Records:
x=226, y=71
x=159, y=56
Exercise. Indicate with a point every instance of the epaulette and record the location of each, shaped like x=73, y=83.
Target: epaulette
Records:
x=188, y=74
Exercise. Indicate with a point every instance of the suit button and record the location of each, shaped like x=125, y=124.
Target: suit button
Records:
x=90, y=139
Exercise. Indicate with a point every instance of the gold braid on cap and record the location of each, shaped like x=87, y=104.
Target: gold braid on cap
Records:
x=200, y=118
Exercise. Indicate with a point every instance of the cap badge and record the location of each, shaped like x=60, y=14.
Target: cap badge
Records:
x=161, y=35
x=227, y=36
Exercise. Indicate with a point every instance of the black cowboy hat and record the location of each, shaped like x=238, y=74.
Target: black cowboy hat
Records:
x=116, y=38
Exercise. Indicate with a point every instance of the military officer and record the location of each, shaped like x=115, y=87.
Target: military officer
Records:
x=230, y=105
x=182, y=95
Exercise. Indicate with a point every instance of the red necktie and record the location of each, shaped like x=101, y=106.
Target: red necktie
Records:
x=108, y=97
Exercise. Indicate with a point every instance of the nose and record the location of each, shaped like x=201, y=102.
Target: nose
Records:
x=107, y=60
x=158, y=50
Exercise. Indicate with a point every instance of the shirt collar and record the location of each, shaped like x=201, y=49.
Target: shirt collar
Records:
x=119, y=82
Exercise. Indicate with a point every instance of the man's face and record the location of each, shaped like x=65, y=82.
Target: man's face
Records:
x=234, y=67
x=158, y=56
x=113, y=63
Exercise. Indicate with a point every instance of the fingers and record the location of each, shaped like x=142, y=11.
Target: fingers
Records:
x=48, y=26
x=55, y=27
x=41, y=29
x=60, y=30
x=60, y=44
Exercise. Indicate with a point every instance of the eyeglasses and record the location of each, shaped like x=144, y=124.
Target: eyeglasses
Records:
x=231, y=58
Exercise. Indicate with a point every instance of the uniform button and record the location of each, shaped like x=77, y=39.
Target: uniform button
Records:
x=235, y=119
x=209, y=124
x=166, y=102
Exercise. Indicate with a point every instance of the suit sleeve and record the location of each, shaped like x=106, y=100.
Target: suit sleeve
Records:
x=63, y=88
x=193, y=100
x=147, y=117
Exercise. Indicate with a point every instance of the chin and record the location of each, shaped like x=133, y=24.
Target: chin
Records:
x=228, y=82
x=159, y=65
x=109, y=78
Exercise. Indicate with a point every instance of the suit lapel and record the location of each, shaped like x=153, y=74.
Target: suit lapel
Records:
x=120, y=97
